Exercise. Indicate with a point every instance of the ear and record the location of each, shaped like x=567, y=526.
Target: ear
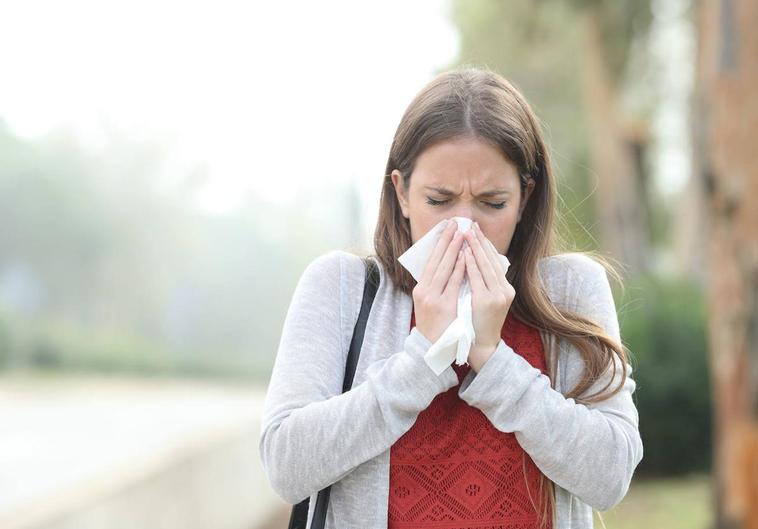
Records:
x=530, y=185
x=397, y=182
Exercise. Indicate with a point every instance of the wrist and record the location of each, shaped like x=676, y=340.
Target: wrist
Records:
x=479, y=354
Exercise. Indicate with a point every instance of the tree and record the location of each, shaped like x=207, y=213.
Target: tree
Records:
x=726, y=116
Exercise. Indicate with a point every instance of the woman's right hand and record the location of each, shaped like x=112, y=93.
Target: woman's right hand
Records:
x=435, y=296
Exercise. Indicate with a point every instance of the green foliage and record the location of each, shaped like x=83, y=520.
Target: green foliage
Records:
x=663, y=324
x=45, y=343
x=55, y=345
x=621, y=22
x=671, y=503
x=5, y=344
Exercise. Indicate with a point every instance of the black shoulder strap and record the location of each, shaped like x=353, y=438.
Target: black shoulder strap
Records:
x=299, y=516
x=369, y=292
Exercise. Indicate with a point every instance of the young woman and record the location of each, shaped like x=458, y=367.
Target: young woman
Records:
x=539, y=428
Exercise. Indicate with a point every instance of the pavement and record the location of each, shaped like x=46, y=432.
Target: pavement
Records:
x=84, y=451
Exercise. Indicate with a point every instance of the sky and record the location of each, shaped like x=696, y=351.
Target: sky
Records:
x=273, y=97
x=672, y=48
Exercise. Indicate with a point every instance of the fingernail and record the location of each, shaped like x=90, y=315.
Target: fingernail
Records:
x=476, y=225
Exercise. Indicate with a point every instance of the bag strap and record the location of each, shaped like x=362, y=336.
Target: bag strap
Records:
x=369, y=292
x=299, y=516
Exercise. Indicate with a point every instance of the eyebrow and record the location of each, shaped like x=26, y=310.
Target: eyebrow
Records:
x=490, y=193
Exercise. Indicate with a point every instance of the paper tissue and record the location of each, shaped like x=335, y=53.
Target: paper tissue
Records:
x=455, y=342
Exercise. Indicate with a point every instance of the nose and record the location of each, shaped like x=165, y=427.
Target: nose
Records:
x=463, y=210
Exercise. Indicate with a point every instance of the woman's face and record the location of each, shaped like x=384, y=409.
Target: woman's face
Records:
x=464, y=177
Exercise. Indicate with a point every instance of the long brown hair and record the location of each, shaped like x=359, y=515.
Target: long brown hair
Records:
x=479, y=103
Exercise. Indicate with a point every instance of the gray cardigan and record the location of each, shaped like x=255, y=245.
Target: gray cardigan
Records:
x=312, y=435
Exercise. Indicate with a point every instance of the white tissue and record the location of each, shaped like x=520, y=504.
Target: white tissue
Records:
x=455, y=342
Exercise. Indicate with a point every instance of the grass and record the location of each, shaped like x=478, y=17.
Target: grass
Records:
x=666, y=503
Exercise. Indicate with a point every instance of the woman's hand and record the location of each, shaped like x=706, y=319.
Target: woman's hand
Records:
x=435, y=296
x=491, y=295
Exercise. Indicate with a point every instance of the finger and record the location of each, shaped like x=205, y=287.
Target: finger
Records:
x=445, y=266
x=439, y=249
x=494, y=255
x=474, y=275
x=454, y=285
x=483, y=262
x=489, y=248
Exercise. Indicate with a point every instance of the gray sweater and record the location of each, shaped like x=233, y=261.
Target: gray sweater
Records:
x=312, y=435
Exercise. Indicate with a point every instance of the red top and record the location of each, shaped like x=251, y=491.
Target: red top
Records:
x=454, y=469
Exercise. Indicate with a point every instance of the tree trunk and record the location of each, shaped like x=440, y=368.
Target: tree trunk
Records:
x=726, y=116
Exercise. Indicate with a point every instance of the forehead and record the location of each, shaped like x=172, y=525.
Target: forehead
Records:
x=454, y=162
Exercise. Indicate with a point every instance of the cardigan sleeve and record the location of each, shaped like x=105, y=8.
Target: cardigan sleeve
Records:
x=312, y=434
x=589, y=450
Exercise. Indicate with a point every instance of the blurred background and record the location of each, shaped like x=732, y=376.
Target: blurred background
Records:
x=167, y=171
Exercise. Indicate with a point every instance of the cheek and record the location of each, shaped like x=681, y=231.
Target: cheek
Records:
x=420, y=226
x=501, y=234
x=423, y=221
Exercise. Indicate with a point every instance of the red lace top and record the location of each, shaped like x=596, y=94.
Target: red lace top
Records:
x=454, y=469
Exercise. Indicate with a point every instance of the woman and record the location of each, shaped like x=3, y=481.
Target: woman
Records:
x=539, y=428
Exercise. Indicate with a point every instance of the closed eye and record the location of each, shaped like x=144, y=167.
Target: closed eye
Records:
x=441, y=202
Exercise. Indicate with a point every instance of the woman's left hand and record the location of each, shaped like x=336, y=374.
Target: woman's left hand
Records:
x=491, y=295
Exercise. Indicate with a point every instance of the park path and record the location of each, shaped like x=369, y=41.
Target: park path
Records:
x=84, y=452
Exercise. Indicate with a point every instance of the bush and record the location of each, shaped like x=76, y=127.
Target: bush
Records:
x=663, y=324
x=47, y=344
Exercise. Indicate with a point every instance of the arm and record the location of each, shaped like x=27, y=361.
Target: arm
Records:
x=312, y=434
x=589, y=450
